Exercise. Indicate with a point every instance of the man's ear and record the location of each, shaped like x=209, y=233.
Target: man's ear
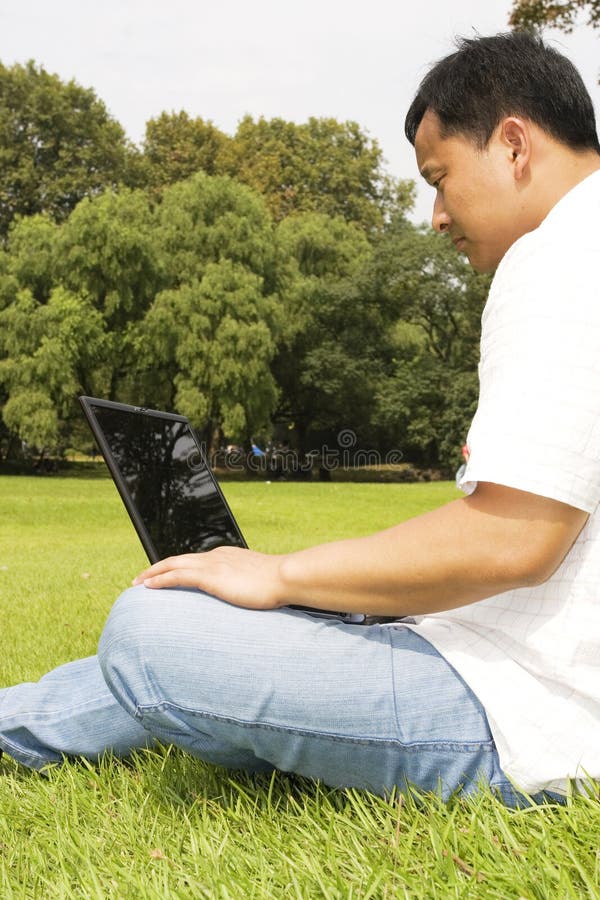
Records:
x=516, y=134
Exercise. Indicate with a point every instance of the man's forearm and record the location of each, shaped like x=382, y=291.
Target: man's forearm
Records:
x=463, y=552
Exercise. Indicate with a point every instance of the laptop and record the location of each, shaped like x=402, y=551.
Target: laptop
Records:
x=165, y=482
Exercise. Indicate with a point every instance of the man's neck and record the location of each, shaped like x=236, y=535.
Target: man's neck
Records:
x=561, y=171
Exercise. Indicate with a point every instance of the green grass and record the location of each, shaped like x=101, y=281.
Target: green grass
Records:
x=164, y=824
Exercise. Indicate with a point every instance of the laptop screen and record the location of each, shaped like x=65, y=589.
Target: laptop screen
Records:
x=164, y=479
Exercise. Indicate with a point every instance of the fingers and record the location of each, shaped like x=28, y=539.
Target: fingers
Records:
x=164, y=565
x=172, y=578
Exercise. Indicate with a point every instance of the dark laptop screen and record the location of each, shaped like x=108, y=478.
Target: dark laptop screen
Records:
x=164, y=472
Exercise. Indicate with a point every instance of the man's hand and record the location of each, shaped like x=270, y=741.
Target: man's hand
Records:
x=239, y=576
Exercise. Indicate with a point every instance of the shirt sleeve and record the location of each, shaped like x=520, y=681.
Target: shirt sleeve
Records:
x=537, y=425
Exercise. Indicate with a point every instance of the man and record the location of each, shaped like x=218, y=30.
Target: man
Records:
x=494, y=675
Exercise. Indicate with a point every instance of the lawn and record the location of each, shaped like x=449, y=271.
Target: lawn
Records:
x=164, y=824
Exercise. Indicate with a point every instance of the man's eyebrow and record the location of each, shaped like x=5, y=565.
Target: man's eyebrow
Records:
x=426, y=172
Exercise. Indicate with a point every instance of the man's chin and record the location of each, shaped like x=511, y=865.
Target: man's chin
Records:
x=481, y=265
x=477, y=260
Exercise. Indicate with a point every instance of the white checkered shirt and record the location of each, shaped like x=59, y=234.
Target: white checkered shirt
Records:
x=532, y=655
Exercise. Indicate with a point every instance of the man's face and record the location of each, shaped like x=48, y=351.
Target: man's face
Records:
x=476, y=201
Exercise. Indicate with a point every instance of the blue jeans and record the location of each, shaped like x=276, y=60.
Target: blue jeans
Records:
x=373, y=707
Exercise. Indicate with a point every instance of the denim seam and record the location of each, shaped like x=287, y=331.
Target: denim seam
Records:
x=459, y=746
x=393, y=686
x=28, y=757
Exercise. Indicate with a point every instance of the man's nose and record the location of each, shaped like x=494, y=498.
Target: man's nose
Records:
x=440, y=219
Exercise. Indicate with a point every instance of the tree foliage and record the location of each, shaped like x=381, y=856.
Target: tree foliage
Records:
x=177, y=146
x=270, y=276
x=171, y=306
x=50, y=354
x=207, y=339
x=213, y=340
x=429, y=284
x=203, y=305
x=427, y=396
x=328, y=328
x=207, y=219
x=321, y=166
x=562, y=14
x=30, y=263
x=70, y=296
x=57, y=145
x=106, y=252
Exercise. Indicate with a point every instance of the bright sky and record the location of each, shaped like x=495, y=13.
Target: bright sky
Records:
x=221, y=60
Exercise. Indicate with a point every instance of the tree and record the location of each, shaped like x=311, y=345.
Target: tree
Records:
x=57, y=145
x=172, y=306
x=437, y=290
x=321, y=166
x=205, y=345
x=207, y=219
x=177, y=146
x=326, y=364
x=49, y=353
x=107, y=251
x=560, y=14
x=216, y=338
x=425, y=409
x=427, y=396
x=32, y=255
x=69, y=297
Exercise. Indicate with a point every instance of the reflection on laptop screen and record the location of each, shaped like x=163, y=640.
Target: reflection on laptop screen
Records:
x=169, y=481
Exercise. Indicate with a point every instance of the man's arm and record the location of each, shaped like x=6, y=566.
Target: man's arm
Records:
x=495, y=540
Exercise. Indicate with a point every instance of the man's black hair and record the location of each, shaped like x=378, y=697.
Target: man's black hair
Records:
x=515, y=73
